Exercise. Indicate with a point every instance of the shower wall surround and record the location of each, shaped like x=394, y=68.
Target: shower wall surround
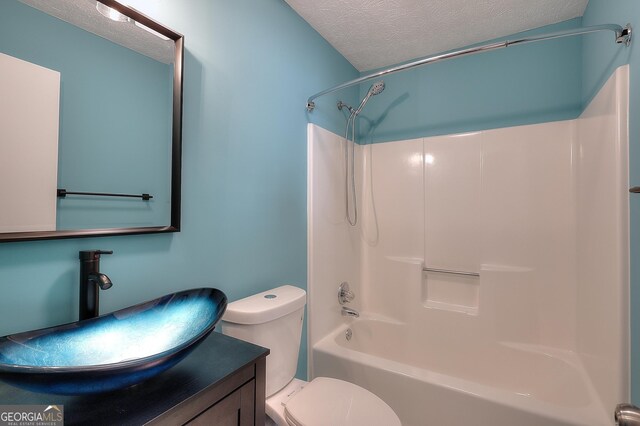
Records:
x=599, y=60
x=538, y=211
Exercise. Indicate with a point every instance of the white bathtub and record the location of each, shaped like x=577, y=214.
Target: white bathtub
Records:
x=442, y=380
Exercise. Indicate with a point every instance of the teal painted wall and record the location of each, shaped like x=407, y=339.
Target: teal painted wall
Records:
x=518, y=85
x=115, y=110
x=249, y=68
x=600, y=57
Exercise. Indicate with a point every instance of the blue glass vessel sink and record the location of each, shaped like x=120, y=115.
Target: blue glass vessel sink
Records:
x=112, y=351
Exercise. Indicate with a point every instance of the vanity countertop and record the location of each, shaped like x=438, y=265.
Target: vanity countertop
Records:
x=162, y=399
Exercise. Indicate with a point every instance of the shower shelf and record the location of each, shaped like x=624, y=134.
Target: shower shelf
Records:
x=450, y=290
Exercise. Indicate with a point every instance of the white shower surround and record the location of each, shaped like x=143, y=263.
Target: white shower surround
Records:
x=540, y=211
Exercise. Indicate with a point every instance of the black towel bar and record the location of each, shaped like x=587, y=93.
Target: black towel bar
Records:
x=62, y=193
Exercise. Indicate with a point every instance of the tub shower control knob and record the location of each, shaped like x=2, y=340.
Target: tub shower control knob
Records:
x=345, y=295
x=627, y=415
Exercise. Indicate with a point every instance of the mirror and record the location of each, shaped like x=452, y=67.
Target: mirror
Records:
x=90, y=121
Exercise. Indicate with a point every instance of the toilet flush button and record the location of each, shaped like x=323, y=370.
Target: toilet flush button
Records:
x=270, y=296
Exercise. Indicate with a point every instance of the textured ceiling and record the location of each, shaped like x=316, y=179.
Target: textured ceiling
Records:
x=377, y=33
x=83, y=14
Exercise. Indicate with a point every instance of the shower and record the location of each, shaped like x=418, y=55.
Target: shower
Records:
x=375, y=89
x=443, y=268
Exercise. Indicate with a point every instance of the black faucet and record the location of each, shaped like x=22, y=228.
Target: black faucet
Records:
x=90, y=280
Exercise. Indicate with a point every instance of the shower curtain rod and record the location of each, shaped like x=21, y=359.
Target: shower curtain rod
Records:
x=623, y=35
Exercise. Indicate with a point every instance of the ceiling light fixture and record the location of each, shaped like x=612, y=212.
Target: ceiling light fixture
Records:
x=111, y=13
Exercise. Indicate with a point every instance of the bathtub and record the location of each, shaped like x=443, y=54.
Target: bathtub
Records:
x=449, y=381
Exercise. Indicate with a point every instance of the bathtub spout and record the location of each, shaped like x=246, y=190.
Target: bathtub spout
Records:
x=348, y=312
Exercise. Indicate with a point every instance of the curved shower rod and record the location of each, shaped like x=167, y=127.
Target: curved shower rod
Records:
x=623, y=35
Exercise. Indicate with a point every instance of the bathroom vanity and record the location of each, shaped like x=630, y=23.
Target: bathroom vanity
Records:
x=221, y=382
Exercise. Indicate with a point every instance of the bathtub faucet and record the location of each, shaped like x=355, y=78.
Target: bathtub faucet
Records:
x=348, y=312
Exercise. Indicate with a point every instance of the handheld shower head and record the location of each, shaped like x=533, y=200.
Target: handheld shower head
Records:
x=375, y=89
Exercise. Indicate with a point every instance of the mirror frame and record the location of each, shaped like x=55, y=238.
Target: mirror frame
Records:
x=176, y=149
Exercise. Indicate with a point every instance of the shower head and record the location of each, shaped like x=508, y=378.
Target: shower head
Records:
x=375, y=89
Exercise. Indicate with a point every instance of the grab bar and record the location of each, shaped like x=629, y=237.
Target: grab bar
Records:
x=448, y=271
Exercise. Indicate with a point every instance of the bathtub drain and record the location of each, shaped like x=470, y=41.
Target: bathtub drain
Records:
x=348, y=334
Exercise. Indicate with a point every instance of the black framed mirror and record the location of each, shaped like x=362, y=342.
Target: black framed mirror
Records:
x=91, y=130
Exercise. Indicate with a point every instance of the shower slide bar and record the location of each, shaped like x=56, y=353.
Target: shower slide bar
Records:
x=448, y=271
x=623, y=36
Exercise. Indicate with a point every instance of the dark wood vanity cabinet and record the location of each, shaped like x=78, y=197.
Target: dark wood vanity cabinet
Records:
x=222, y=382
x=235, y=409
x=237, y=400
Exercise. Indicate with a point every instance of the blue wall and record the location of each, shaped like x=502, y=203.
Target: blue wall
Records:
x=518, y=85
x=600, y=57
x=115, y=110
x=249, y=68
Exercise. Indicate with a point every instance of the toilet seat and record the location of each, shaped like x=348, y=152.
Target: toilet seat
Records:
x=325, y=401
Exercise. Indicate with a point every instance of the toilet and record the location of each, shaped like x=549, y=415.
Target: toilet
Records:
x=273, y=319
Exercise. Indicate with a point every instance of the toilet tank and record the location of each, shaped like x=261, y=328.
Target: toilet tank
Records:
x=272, y=319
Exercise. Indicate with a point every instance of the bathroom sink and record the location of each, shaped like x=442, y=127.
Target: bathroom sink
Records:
x=112, y=351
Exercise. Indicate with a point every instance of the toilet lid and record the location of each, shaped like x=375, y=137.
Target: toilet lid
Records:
x=326, y=401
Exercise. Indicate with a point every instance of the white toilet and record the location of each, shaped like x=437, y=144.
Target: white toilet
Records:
x=273, y=319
